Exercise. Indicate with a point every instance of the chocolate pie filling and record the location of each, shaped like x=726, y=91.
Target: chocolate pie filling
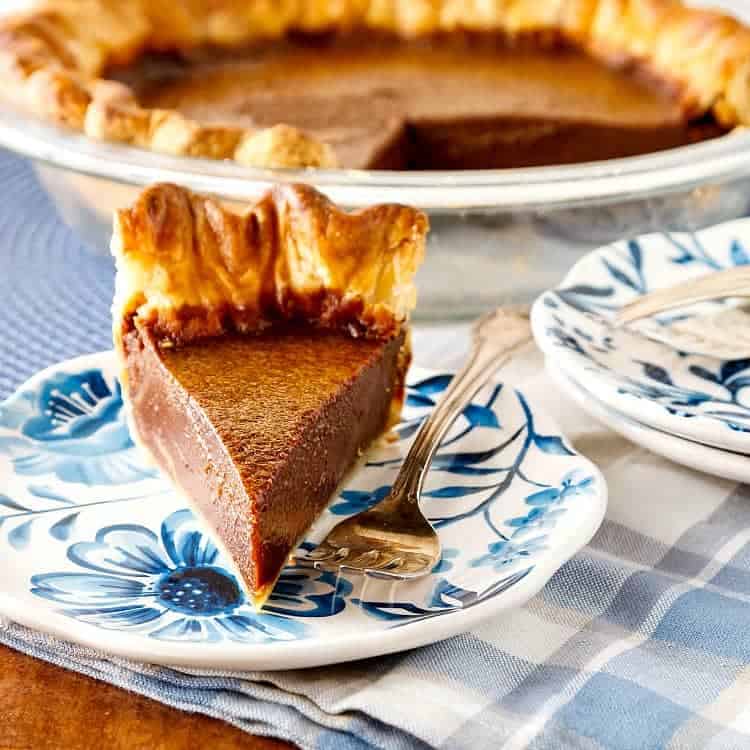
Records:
x=453, y=102
x=260, y=442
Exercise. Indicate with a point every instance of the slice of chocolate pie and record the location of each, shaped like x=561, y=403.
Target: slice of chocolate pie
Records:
x=262, y=353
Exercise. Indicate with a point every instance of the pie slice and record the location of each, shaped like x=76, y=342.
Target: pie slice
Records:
x=262, y=353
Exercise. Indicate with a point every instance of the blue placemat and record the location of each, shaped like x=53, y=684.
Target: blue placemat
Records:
x=55, y=294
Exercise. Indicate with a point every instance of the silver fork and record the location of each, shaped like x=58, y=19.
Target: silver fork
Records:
x=733, y=282
x=393, y=539
x=723, y=333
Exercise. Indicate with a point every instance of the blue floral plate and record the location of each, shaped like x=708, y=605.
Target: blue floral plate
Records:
x=704, y=399
x=95, y=547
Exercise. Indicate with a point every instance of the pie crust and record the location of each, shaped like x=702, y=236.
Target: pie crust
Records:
x=53, y=59
x=189, y=268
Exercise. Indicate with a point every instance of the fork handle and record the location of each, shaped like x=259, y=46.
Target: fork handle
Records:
x=496, y=337
x=733, y=282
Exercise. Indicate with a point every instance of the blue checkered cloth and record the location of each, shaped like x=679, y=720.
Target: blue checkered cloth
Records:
x=641, y=641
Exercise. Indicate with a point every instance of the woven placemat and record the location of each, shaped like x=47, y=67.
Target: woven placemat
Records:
x=55, y=294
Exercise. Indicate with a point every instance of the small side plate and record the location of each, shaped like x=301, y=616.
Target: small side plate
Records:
x=700, y=398
x=96, y=548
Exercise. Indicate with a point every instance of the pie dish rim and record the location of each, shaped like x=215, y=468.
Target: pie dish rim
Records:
x=444, y=192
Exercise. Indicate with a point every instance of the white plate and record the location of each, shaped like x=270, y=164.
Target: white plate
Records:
x=700, y=398
x=96, y=548
x=720, y=463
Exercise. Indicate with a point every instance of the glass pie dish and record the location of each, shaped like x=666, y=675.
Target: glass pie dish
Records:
x=497, y=235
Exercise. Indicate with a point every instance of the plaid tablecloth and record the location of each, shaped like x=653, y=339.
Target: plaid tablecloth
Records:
x=641, y=641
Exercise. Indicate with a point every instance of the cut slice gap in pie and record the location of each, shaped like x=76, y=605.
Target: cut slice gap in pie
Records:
x=262, y=353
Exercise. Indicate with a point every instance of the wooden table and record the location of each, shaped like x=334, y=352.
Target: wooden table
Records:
x=44, y=707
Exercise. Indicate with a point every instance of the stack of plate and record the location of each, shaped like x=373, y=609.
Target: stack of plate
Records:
x=693, y=409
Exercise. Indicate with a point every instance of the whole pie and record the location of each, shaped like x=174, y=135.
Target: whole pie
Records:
x=383, y=84
x=262, y=353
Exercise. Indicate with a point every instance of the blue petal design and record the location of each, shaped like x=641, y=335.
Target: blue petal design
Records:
x=703, y=373
x=184, y=542
x=552, y=444
x=656, y=372
x=88, y=589
x=21, y=535
x=123, y=549
x=738, y=254
x=73, y=406
x=544, y=497
x=42, y=491
x=455, y=491
x=586, y=298
x=419, y=400
x=586, y=290
x=61, y=529
x=116, y=618
x=433, y=385
x=636, y=253
x=305, y=592
x=244, y=628
x=481, y=416
x=192, y=599
x=620, y=276
x=188, y=629
x=7, y=502
x=260, y=628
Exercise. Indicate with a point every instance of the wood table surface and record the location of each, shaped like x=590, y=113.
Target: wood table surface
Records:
x=44, y=707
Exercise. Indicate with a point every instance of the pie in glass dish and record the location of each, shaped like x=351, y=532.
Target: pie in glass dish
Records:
x=261, y=353
x=383, y=84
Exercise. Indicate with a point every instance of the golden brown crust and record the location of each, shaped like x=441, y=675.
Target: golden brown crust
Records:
x=188, y=268
x=53, y=57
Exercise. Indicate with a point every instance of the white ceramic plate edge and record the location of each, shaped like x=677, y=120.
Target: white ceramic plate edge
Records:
x=696, y=456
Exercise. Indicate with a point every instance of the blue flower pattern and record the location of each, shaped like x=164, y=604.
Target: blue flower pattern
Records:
x=526, y=539
x=72, y=427
x=174, y=587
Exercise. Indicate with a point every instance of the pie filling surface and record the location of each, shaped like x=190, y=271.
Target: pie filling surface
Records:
x=449, y=102
x=257, y=431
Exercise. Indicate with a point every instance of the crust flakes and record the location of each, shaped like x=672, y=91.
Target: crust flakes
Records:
x=188, y=268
